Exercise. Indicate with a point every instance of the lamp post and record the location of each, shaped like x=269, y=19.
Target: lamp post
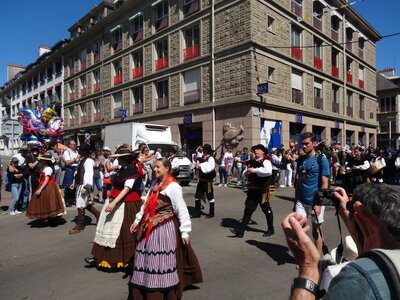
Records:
x=390, y=119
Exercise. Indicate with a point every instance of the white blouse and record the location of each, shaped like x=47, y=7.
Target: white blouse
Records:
x=174, y=192
x=48, y=171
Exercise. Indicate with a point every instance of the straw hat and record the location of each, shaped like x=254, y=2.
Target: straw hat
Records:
x=350, y=252
x=46, y=157
x=125, y=152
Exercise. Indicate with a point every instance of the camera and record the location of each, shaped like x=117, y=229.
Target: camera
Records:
x=325, y=197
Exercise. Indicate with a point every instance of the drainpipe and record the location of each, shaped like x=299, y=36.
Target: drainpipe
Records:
x=344, y=80
x=213, y=73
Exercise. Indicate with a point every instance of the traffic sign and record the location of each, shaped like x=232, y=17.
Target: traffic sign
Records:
x=262, y=88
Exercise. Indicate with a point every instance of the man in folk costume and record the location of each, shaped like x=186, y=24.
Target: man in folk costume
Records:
x=206, y=167
x=83, y=181
x=259, y=173
x=174, y=163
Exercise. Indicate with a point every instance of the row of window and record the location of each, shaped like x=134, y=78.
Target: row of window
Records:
x=190, y=92
x=297, y=86
x=387, y=104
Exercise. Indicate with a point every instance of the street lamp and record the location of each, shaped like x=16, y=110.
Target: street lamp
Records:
x=390, y=119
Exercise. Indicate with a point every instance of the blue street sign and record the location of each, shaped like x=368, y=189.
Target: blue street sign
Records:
x=188, y=118
x=262, y=88
x=299, y=118
x=337, y=124
x=123, y=113
x=276, y=130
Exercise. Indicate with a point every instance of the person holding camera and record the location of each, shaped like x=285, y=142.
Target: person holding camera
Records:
x=313, y=173
x=373, y=221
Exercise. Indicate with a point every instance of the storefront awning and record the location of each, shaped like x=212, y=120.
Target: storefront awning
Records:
x=138, y=14
x=58, y=84
x=116, y=27
x=49, y=89
x=42, y=92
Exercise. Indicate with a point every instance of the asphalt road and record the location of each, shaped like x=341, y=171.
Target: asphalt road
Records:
x=47, y=263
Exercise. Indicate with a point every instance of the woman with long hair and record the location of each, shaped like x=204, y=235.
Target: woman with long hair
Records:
x=114, y=245
x=163, y=225
x=46, y=200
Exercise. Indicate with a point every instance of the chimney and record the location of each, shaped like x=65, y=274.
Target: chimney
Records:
x=43, y=49
x=13, y=69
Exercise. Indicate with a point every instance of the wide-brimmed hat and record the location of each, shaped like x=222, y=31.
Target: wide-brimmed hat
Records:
x=106, y=149
x=125, y=152
x=84, y=147
x=207, y=148
x=14, y=159
x=261, y=147
x=350, y=252
x=47, y=157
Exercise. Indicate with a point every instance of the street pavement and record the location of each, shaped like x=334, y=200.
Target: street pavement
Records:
x=39, y=262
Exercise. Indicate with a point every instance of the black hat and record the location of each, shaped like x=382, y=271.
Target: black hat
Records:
x=84, y=147
x=35, y=148
x=261, y=147
x=207, y=148
x=126, y=152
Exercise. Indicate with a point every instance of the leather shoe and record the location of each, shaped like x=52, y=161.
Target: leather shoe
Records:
x=90, y=261
x=269, y=232
x=238, y=232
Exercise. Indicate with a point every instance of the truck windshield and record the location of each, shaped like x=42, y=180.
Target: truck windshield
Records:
x=165, y=148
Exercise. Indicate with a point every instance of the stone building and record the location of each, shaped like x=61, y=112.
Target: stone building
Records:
x=388, y=91
x=38, y=84
x=196, y=65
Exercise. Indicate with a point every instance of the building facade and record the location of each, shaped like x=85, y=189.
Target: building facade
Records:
x=38, y=84
x=388, y=91
x=196, y=64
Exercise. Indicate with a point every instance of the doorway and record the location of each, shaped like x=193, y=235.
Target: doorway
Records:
x=191, y=137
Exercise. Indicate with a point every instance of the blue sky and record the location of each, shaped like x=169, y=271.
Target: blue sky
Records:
x=26, y=24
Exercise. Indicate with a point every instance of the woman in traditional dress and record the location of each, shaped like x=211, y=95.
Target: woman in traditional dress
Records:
x=46, y=200
x=114, y=245
x=163, y=253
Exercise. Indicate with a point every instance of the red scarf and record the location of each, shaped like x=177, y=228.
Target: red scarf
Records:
x=151, y=203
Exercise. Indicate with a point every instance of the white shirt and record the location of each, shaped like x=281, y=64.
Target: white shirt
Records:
x=88, y=176
x=265, y=170
x=70, y=154
x=228, y=157
x=158, y=155
x=208, y=166
x=48, y=171
x=174, y=192
x=21, y=159
x=175, y=163
x=276, y=160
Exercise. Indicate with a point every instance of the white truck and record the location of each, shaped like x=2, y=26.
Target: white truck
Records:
x=153, y=136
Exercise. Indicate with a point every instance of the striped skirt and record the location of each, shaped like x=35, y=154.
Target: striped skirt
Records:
x=155, y=267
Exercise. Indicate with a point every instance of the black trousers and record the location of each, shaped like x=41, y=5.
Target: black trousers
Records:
x=254, y=198
x=204, y=187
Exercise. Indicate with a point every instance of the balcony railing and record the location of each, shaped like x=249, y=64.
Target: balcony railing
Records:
x=361, y=83
x=191, y=8
x=138, y=108
x=97, y=116
x=84, y=119
x=349, y=111
x=297, y=96
x=318, y=102
x=335, y=35
x=49, y=78
x=83, y=92
x=335, y=107
x=96, y=57
x=362, y=114
x=317, y=63
x=335, y=71
x=71, y=96
x=162, y=103
x=117, y=47
x=191, y=97
x=71, y=122
x=71, y=71
x=162, y=23
x=297, y=8
x=117, y=79
x=297, y=53
x=83, y=64
x=317, y=23
x=137, y=72
x=161, y=63
x=96, y=87
x=137, y=36
x=361, y=53
x=349, y=46
x=5, y=102
x=191, y=52
x=349, y=78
